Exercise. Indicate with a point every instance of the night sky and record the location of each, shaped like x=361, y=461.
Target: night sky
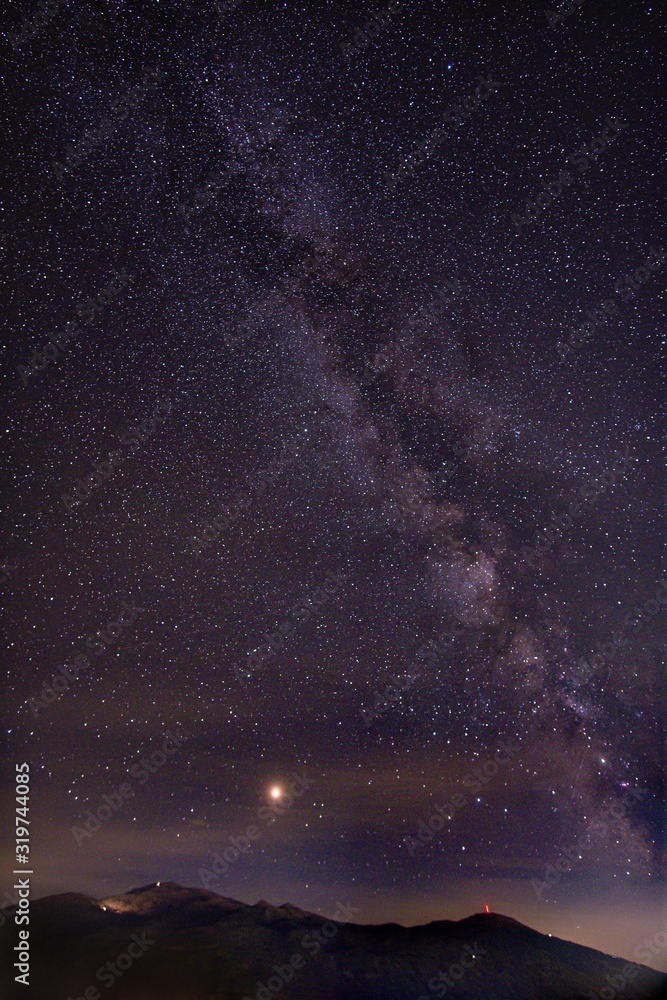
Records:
x=341, y=409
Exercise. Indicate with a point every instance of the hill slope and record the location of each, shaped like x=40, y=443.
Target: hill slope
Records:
x=168, y=942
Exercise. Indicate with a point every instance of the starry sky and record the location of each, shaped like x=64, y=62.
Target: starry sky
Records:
x=308, y=281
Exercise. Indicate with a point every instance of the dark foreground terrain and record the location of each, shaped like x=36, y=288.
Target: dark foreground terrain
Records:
x=167, y=942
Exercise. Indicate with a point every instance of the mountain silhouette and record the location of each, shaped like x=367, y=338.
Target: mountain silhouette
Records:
x=169, y=942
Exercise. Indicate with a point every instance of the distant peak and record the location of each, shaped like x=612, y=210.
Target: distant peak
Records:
x=161, y=895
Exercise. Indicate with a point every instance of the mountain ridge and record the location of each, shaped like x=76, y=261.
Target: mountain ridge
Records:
x=192, y=944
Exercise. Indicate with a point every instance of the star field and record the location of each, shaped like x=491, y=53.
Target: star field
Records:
x=304, y=401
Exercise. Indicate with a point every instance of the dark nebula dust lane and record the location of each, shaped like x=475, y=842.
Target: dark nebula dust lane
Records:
x=332, y=361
